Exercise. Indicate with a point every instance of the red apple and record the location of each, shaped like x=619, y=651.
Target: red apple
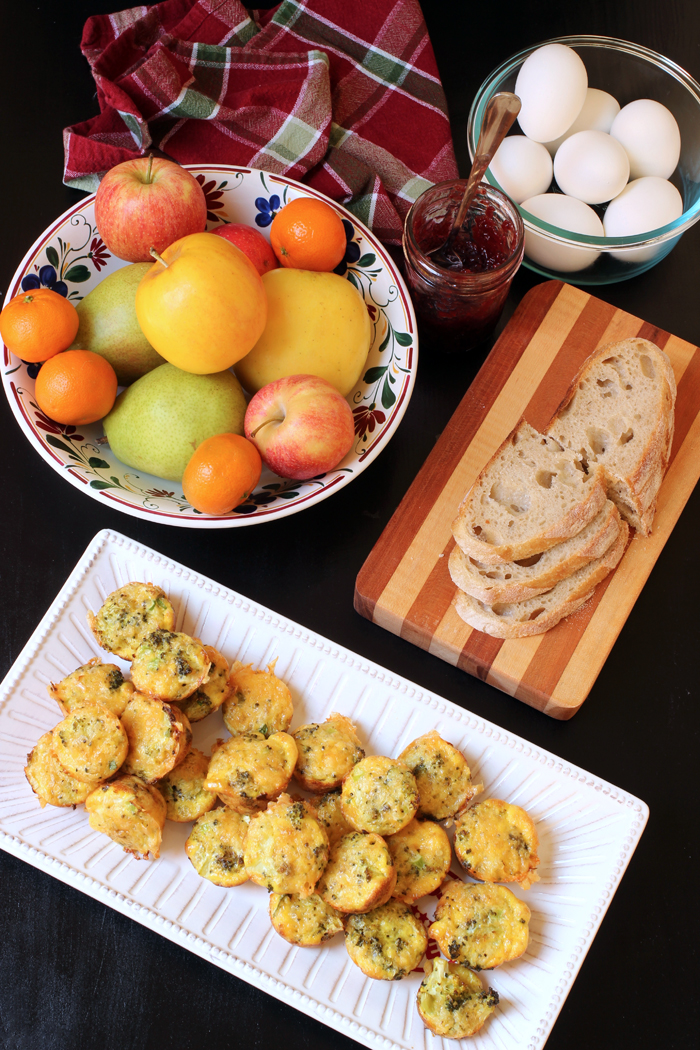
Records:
x=148, y=203
x=301, y=425
x=252, y=242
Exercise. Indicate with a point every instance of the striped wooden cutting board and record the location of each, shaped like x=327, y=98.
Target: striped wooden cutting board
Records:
x=405, y=585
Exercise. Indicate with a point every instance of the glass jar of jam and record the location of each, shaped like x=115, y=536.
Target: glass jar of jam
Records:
x=458, y=307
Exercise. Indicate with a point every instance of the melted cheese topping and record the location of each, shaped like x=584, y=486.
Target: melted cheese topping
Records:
x=49, y=780
x=480, y=925
x=442, y=774
x=183, y=789
x=329, y=814
x=93, y=683
x=169, y=665
x=306, y=921
x=259, y=702
x=91, y=743
x=452, y=1001
x=379, y=795
x=130, y=812
x=159, y=737
x=128, y=615
x=211, y=695
x=497, y=842
x=386, y=943
x=359, y=875
x=421, y=854
x=215, y=847
x=286, y=849
x=247, y=771
x=327, y=753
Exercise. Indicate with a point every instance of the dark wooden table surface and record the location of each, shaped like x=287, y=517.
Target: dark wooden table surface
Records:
x=74, y=974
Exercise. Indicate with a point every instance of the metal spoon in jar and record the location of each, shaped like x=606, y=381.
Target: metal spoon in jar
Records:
x=501, y=111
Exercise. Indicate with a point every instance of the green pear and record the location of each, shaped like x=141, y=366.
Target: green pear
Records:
x=108, y=325
x=158, y=421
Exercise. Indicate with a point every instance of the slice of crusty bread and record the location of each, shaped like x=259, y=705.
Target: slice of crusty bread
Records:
x=619, y=414
x=537, y=615
x=514, y=581
x=531, y=495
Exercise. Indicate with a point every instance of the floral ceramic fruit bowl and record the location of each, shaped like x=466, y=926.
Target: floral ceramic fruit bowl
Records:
x=71, y=258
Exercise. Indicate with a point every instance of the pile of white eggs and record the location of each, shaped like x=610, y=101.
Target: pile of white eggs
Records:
x=598, y=154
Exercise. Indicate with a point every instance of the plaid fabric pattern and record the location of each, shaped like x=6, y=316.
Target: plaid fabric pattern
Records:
x=345, y=97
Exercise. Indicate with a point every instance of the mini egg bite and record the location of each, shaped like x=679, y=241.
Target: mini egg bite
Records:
x=248, y=770
x=91, y=743
x=379, y=795
x=286, y=849
x=327, y=752
x=186, y=797
x=387, y=942
x=304, y=921
x=421, y=854
x=128, y=614
x=159, y=737
x=359, y=875
x=259, y=701
x=169, y=666
x=95, y=683
x=442, y=774
x=49, y=780
x=215, y=846
x=480, y=925
x=452, y=1002
x=211, y=694
x=496, y=841
x=131, y=813
x=329, y=813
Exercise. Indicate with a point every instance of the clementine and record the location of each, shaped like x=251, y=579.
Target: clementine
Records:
x=307, y=234
x=76, y=387
x=37, y=324
x=222, y=472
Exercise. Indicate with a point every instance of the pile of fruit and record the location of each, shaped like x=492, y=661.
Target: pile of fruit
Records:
x=231, y=351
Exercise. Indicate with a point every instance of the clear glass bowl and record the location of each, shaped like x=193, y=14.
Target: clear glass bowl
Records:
x=628, y=72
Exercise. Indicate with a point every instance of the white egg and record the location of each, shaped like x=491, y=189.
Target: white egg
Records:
x=644, y=204
x=521, y=167
x=598, y=112
x=570, y=215
x=552, y=86
x=592, y=166
x=651, y=137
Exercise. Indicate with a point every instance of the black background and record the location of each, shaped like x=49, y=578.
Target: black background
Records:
x=76, y=974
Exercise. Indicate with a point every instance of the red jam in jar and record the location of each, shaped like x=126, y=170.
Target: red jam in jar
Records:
x=459, y=306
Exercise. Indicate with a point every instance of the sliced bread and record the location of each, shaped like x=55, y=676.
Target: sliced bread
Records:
x=619, y=415
x=537, y=615
x=531, y=495
x=514, y=581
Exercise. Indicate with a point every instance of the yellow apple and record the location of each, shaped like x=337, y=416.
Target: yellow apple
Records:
x=202, y=305
x=317, y=324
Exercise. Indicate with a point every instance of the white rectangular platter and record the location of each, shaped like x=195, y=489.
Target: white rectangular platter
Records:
x=588, y=829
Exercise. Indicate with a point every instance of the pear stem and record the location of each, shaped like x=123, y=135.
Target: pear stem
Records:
x=154, y=253
x=150, y=166
x=258, y=429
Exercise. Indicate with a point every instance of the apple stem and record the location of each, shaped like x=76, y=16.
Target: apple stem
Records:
x=273, y=420
x=154, y=253
x=150, y=166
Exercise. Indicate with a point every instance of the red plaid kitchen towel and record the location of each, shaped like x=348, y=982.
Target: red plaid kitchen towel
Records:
x=344, y=96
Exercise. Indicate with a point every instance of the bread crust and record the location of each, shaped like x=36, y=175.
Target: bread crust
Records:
x=512, y=620
x=515, y=582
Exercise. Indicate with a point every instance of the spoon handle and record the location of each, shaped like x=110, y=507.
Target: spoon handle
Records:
x=501, y=111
